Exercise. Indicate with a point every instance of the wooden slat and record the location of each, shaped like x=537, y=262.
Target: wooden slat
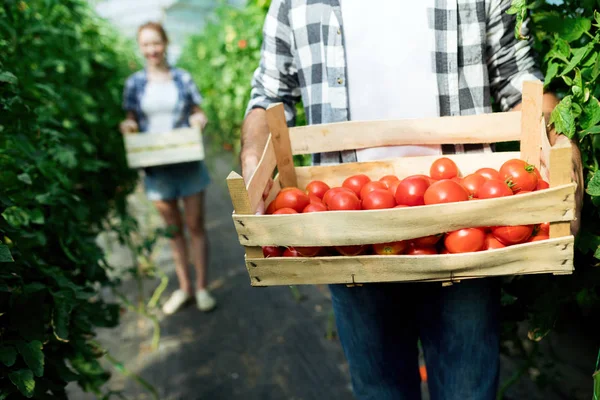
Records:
x=152, y=149
x=281, y=143
x=264, y=171
x=241, y=205
x=334, y=175
x=550, y=256
x=484, y=128
x=560, y=173
x=381, y=226
x=531, y=118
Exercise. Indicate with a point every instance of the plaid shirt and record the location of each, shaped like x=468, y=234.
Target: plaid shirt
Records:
x=187, y=91
x=476, y=57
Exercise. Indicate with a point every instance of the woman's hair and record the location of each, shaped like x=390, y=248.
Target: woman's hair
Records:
x=156, y=27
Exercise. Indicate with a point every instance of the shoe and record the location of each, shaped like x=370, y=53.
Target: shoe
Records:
x=176, y=301
x=204, y=300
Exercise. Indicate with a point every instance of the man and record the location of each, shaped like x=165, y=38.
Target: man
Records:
x=391, y=60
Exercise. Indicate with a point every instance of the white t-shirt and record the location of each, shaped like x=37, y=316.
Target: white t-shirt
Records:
x=159, y=103
x=389, y=53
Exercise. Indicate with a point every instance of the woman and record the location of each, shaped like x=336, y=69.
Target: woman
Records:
x=158, y=99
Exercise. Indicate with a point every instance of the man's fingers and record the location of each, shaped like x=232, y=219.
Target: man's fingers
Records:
x=268, y=189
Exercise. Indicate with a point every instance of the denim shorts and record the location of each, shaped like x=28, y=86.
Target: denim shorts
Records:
x=170, y=182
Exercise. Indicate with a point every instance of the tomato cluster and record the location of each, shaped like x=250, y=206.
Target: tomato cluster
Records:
x=443, y=185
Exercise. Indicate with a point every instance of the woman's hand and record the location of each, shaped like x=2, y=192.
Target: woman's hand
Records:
x=128, y=126
x=198, y=120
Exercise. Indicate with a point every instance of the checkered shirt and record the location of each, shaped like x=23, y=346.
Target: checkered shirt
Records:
x=476, y=58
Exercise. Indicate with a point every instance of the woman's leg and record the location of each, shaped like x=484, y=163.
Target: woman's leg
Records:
x=169, y=210
x=194, y=220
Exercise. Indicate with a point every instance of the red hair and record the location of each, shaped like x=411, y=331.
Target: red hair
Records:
x=155, y=26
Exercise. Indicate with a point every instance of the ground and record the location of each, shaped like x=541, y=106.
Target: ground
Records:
x=264, y=343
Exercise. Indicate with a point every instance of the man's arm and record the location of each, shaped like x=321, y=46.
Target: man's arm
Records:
x=275, y=80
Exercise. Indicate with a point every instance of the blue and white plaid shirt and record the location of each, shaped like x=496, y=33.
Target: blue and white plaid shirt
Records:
x=477, y=57
x=186, y=88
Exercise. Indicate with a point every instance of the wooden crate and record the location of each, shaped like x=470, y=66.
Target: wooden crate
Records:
x=555, y=205
x=152, y=149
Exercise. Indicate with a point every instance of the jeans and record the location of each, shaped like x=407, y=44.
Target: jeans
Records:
x=379, y=326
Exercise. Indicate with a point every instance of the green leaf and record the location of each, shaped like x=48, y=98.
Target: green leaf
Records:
x=594, y=130
x=550, y=73
x=563, y=119
x=5, y=255
x=593, y=187
x=37, y=216
x=578, y=55
x=8, y=77
x=597, y=253
x=16, y=216
x=8, y=355
x=24, y=177
x=23, y=380
x=33, y=355
x=61, y=317
x=596, y=385
x=569, y=29
x=591, y=114
x=560, y=50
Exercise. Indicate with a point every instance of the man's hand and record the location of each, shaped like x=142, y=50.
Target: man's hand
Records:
x=128, y=126
x=198, y=120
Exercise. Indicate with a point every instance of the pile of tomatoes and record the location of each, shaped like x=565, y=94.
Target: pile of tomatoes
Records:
x=443, y=185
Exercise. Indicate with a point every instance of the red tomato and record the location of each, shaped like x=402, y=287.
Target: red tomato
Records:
x=427, y=241
x=285, y=210
x=401, y=206
x=271, y=208
x=314, y=199
x=344, y=201
x=488, y=173
x=542, y=184
x=393, y=187
x=494, y=188
x=390, y=249
x=272, y=251
x=473, y=183
x=292, y=198
x=420, y=250
x=458, y=180
x=492, y=243
x=445, y=191
x=352, y=250
x=443, y=168
x=512, y=234
x=411, y=190
x=291, y=252
x=308, y=251
x=523, y=192
x=369, y=187
x=519, y=175
x=330, y=193
x=315, y=207
x=388, y=180
x=465, y=240
x=445, y=251
x=378, y=199
x=317, y=188
x=545, y=228
x=356, y=183
x=428, y=178
x=538, y=237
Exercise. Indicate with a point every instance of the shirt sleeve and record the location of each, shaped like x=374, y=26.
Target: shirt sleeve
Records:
x=129, y=97
x=191, y=89
x=510, y=61
x=276, y=78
